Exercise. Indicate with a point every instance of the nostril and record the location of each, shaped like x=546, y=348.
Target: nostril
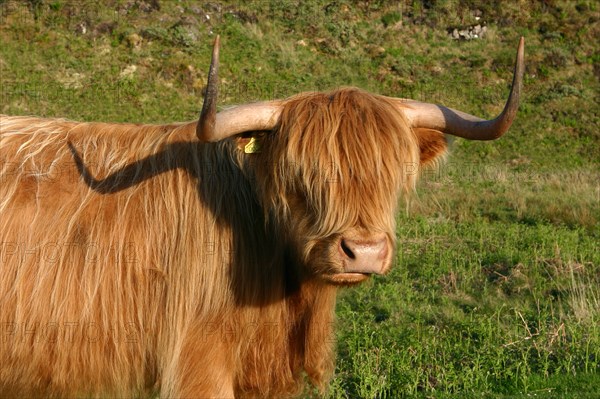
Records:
x=347, y=250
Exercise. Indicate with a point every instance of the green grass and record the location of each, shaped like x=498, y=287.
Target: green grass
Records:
x=475, y=308
x=495, y=292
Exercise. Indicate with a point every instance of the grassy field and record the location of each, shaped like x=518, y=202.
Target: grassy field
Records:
x=496, y=288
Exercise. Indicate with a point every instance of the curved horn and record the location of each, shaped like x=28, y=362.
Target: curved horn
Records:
x=208, y=115
x=461, y=124
x=244, y=118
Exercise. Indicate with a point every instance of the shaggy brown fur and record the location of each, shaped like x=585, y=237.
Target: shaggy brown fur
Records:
x=134, y=259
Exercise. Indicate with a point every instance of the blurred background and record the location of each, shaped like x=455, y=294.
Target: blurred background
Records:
x=496, y=288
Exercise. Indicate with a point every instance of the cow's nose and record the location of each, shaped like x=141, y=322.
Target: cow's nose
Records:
x=364, y=255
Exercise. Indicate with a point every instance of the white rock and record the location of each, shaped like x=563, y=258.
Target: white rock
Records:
x=128, y=72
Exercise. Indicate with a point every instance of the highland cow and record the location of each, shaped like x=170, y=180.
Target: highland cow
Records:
x=202, y=259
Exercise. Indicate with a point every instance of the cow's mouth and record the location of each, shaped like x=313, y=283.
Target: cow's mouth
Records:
x=347, y=278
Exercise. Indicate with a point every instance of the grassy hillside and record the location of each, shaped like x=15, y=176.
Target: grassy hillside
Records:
x=496, y=288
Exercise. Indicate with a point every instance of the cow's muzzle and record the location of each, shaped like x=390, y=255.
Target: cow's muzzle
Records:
x=367, y=256
x=362, y=256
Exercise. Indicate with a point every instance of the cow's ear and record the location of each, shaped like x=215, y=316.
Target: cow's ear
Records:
x=433, y=145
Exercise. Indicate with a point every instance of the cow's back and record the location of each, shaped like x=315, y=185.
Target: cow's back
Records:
x=90, y=226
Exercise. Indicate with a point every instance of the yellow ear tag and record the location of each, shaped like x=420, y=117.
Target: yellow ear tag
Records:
x=252, y=147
